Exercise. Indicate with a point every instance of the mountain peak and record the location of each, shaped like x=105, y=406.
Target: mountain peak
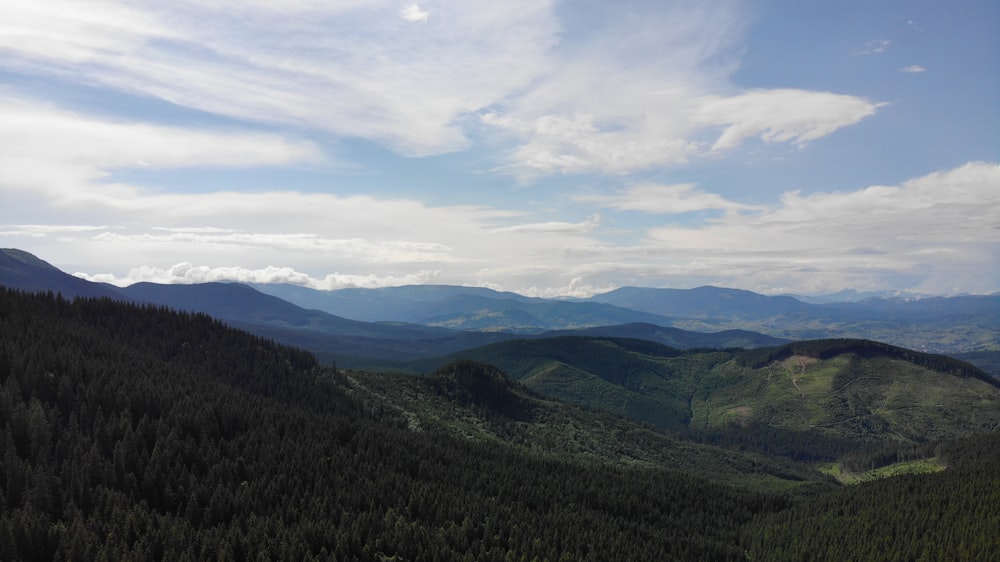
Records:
x=25, y=258
x=26, y=272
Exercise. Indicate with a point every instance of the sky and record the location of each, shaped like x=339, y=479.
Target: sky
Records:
x=550, y=148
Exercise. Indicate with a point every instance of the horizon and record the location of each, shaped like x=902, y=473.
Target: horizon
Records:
x=549, y=149
x=818, y=297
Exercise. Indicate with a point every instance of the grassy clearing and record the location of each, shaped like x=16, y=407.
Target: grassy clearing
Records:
x=922, y=466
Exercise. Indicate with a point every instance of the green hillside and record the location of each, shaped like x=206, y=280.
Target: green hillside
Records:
x=136, y=433
x=638, y=379
x=850, y=389
x=477, y=402
x=808, y=400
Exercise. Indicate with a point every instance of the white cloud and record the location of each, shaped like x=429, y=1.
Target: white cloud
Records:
x=663, y=126
x=355, y=69
x=195, y=229
x=913, y=69
x=576, y=144
x=43, y=229
x=781, y=115
x=58, y=152
x=413, y=13
x=664, y=199
x=186, y=273
x=648, y=90
x=636, y=86
x=613, y=95
x=59, y=164
x=937, y=233
x=367, y=251
x=551, y=227
x=874, y=47
x=936, y=229
x=931, y=234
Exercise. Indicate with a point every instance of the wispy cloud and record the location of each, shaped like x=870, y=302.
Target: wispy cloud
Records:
x=622, y=89
x=604, y=109
x=66, y=154
x=935, y=228
x=43, y=229
x=359, y=249
x=933, y=234
x=557, y=227
x=874, y=47
x=664, y=199
x=186, y=273
x=663, y=129
x=357, y=68
x=795, y=116
x=413, y=13
x=616, y=101
x=913, y=68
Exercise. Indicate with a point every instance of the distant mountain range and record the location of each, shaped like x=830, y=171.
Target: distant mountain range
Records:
x=462, y=308
x=938, y=324
x=384, y=327
x=376, y=344
x=951, y=325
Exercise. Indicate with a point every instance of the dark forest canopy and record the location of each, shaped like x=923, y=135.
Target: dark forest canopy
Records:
x=135, y=432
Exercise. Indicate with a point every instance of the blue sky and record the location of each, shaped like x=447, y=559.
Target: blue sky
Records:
x=547, y=148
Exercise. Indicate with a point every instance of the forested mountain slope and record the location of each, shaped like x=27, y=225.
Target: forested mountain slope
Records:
x=938, y=517
x=138, y=433
x=478, y=402
x=810, y=400
x=134, y=432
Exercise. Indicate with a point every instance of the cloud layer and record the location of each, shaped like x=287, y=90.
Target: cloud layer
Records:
x=592, y=116
x=938, y=233
x=942, y=230
x=423, y=84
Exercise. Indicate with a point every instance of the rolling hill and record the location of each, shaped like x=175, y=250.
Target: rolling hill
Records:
x=675, y=337
x=813, y=399
x=478, y=402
